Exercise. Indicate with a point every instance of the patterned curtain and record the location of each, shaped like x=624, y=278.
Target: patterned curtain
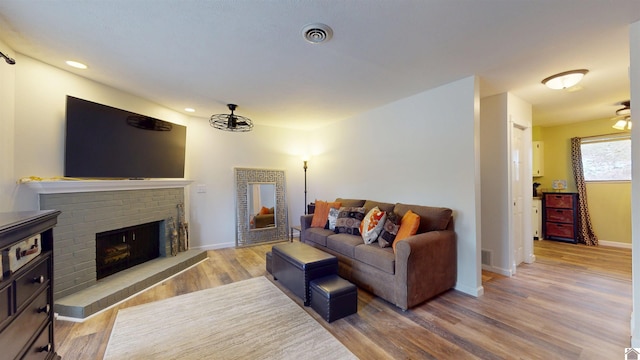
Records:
x=585, y=230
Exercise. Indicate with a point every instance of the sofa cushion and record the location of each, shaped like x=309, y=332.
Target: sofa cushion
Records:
x=350, y=202
x=321, y=213
x=349, y=220
x=389, y=230
x=372, y=224
x=317, y=235
x=370, y=204
x=344, y=243
x=383, y=259
x=431, y=218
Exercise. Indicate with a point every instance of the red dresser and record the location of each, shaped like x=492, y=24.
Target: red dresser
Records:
x=559, y=216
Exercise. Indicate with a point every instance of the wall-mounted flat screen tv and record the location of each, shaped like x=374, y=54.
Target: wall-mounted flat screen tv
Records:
x=105, y=142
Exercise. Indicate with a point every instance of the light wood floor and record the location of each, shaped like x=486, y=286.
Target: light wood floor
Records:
x=573, y=303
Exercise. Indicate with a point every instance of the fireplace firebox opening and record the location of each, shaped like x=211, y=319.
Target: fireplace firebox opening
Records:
x=120, y=249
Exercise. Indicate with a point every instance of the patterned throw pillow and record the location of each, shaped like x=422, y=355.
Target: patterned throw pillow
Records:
x=389, y=230
x=333, y=217
x=349, y=220
x=372, y=224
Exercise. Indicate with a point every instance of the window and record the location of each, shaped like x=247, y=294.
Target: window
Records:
x=607, y=158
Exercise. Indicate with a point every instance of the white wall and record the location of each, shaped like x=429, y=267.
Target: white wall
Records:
x=418, y=150
x=634, y=44
x=495, y=181
x=213, y=156
x=498, y=113
x=7, y=109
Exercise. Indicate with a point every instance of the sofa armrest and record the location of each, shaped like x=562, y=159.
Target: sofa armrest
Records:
x=426, y=265
x=305, y=221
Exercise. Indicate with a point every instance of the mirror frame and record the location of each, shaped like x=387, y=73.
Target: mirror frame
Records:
x=244, y=235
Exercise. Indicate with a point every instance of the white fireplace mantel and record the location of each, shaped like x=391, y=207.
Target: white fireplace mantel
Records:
x=75, y=186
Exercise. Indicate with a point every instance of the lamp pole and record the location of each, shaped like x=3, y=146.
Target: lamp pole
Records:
x=305, y=186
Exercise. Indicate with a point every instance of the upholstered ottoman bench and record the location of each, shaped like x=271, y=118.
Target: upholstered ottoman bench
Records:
x=296, y=264
x=269, y=262
x=333, y=297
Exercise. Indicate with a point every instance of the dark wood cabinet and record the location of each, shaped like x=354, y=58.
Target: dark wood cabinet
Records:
x=26, y=285
x=559, y=216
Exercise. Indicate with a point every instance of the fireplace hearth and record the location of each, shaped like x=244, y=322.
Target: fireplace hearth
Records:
x=120, y=249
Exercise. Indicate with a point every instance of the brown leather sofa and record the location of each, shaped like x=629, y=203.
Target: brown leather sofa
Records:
x=423, y=266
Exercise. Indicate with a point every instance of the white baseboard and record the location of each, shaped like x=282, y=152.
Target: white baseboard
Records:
x=479, y=291
x=497, y=270
x=215, y=246
x=614, y=244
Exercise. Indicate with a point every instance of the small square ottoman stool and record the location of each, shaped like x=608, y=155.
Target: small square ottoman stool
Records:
x=269, y=260
x=333, y=297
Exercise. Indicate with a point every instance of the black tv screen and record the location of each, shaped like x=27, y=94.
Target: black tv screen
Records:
x=105, y=142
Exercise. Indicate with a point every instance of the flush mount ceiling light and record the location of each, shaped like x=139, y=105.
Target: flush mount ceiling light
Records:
x=231, y=122
x=625, y=113
x=565, y=80
x=317, y=33
x=76, y=64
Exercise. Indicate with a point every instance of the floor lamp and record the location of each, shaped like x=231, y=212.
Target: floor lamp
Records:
x=305, y=186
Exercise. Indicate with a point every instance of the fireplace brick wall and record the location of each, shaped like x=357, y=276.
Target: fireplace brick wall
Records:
x=86, y=213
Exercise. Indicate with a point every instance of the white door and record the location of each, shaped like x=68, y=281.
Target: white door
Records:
x=517, y=194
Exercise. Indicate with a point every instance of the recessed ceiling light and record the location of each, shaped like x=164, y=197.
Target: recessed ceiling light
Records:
x=75, y=64
x=189, y=109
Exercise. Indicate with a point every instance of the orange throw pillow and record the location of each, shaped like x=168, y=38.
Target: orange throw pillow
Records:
x=408, y=226
x=264, y=211
x=321, y=213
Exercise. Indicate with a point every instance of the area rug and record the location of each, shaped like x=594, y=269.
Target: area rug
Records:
x=250, y=319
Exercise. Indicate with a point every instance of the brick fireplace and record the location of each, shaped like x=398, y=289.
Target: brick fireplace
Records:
x=89, y=208
x=88, y=213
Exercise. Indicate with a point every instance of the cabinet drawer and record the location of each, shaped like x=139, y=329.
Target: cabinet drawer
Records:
x=559, y=230
x=559, y=201
x=5, y=305
x=32, y=281
x=42, y=346
x=15, y=337
x=560, y=215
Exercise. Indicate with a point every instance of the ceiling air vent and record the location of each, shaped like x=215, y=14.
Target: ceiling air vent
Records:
x=317, y=33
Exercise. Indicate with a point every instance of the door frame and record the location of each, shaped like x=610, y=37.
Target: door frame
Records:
x=527, y=193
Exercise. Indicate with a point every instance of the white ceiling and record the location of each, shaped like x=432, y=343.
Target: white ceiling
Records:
x=205, y=54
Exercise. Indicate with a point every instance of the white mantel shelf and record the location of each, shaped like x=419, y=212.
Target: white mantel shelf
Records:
x=75, y=186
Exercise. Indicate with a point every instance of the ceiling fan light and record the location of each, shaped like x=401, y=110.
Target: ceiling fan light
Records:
x=621, y=124
x=564, y=80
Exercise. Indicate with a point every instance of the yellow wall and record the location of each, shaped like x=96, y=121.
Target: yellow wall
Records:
x=609, y=203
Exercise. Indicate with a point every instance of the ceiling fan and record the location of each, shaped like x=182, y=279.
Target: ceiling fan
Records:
x=231, y=122
x=623, y=116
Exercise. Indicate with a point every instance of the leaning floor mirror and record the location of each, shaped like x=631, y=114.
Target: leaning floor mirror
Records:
x=261, y=208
